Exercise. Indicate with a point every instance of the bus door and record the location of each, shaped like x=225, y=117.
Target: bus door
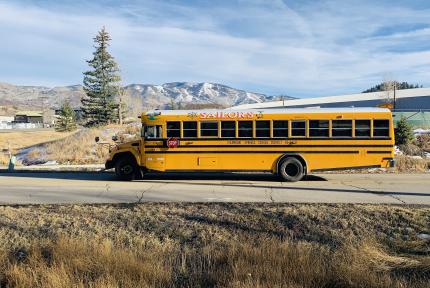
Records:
x=153, y=138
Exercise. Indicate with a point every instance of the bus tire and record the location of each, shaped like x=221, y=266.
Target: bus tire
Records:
x=291, y=169
x=126, y=169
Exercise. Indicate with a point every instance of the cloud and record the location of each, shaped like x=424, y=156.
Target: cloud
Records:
x=309, y=48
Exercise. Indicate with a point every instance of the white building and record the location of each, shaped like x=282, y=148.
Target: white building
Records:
x=6, y=122
x=405, y=100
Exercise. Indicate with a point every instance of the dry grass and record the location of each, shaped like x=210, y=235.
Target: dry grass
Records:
x=214, y=245
x=4, y=158
x=21, y=139
x=410, y=164
x=80, y=147
x=15, y=140
x=423, y=141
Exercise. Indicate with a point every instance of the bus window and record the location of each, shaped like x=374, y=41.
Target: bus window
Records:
x=318, y=128
x=152, y=131
x=280, y=128
x=298, y=128
x=190, y=129
x=174, y=129
x=262, y=128
x=341, y=128
x=228, y=129
x=381, y=128
x=209, y=129
x=362, y=128
x=245, y=129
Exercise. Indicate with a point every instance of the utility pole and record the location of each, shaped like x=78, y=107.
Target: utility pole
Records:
x=394, y=104
x=121, y=93
x=43, y=98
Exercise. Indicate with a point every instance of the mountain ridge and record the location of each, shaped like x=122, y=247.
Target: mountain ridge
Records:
x=137, y=96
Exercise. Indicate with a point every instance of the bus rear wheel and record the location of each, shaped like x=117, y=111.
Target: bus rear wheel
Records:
x=126, y=169
x=291, y=169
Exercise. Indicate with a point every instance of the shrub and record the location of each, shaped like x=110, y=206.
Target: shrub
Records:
x=404, y=134
x=411, y=149
x=423, y=141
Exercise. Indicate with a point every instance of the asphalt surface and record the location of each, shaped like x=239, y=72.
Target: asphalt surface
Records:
x=101, y=187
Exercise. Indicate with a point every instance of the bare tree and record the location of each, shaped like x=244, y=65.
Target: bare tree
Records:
x=389, y=86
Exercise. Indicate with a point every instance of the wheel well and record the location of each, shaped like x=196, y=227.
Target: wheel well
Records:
x=123, y=155
x=297, y=156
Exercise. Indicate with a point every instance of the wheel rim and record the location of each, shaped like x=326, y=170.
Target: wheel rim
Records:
x=126, y=169
x=292, y=170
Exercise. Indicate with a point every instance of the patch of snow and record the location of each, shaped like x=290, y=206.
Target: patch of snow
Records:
x=421, y=131
x=51, y=162
x=397, y=151
x=253, y=97
x=416, y=157
x=424, y=236
x=159, y=88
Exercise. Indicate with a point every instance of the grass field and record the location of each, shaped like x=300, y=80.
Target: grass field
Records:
x=214, y=245
x=76, y=147
x=15, y=140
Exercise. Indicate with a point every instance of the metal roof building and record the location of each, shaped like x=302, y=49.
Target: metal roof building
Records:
x=413, y=104
x=406, y=100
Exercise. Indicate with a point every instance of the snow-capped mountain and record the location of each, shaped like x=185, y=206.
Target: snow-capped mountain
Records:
x=138, y=96
x=196, y=93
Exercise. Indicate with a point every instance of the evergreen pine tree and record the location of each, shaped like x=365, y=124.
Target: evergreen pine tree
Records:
x=404, y=134
x=101, y=85
x=399, y=86
x=67, y=119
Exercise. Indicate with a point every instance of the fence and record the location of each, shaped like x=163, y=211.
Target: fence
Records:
x=9, y=125
x=418, y=119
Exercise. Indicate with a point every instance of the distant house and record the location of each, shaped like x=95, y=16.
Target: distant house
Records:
x=6, y=122
x=35, y=117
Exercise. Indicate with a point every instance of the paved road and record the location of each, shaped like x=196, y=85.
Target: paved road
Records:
x=97, y=187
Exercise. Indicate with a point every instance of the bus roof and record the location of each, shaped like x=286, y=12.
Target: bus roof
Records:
x=274, y=111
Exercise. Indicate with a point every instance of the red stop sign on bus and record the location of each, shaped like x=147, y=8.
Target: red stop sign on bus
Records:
x=172, y=142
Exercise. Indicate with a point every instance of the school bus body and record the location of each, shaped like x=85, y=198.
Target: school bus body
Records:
x=258, y=140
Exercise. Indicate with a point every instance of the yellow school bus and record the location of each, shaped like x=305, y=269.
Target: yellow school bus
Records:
x=287, y=142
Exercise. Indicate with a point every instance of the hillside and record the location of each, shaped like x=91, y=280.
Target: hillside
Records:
x=138, y=96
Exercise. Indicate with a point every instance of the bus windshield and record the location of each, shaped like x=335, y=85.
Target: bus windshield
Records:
x=152, y=131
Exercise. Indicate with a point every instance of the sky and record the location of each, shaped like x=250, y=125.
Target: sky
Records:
x=302, y=48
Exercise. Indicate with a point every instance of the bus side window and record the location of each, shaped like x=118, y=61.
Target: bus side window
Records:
x=318, y=128
x=298, y=128
x=362, y=128
x=190, y=129
x=280, y=128
x=245, y=129
x=381, y=128
x=228, y=129
x=341, y=128
x=262, y=128
x=174, y=129
x=209, y=128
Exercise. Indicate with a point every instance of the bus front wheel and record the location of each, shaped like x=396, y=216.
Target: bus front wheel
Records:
x=127, y=169
x=291, y=169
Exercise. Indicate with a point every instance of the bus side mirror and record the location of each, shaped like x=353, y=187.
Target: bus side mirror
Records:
x=114, y=138
x=97, y=139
